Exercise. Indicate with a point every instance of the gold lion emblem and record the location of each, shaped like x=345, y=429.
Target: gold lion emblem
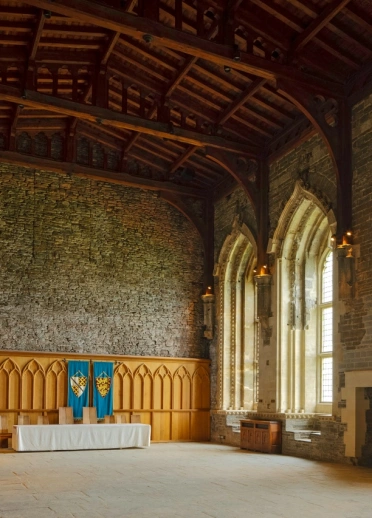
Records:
x=103, y=384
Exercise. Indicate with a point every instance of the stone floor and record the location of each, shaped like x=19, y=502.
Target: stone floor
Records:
x=180, y=480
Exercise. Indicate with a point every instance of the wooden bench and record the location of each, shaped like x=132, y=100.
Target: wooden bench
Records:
x=4, y=436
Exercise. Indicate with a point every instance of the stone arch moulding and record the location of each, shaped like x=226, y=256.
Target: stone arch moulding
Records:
x=237, y=230
x=298, y=196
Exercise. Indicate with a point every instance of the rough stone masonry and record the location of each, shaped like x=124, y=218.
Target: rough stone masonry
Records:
x=96, y=268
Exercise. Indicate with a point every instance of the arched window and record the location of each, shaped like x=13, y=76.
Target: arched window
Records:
x=326, y=331
x=304, y=275
x=238, y=347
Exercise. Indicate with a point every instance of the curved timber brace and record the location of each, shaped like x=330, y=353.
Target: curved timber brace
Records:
x=257, y=192
x=332, y=118
x=203, y=226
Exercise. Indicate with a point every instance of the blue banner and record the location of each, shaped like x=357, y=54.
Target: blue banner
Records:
x=103, y=376
x=78, y=386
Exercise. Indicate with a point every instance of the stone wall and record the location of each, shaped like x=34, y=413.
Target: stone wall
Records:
x=310, y=163
x=92, y=267
x=356, y=322
x=235, y=205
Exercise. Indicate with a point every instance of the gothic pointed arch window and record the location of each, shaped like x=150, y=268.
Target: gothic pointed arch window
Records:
x=238, y=347
x=304, y=275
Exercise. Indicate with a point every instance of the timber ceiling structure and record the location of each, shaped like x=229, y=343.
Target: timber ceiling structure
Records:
x=148, y=92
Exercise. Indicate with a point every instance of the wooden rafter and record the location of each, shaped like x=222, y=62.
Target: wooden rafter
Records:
x=103, y=16
x=240, y=100
x=37, y=35
x=119, y=120
x=185, y=69
x=317, y=25
x=287, y=18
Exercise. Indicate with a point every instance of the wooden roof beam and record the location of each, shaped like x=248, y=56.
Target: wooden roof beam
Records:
x=312, y=10
x=190, y=61
x=104, y=58
x=137, y=27
x=286, y=17
x=240, y=100
x=108, y=117
x=37, y=35
x=317, y=25
x=180, y=161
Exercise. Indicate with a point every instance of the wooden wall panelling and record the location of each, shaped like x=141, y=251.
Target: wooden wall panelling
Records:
x=56, y=382
x=200, y=422
x=171, y=394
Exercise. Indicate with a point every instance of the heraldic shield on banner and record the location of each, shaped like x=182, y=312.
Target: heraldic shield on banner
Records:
x=102, y=388
x=78, y=386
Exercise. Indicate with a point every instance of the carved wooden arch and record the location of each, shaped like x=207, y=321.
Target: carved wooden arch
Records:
x=10, y=370
x=337, y=138
x=163, y=388
x=32, y=385
x=182, y=388
x=142, y=377
x=123, y=387
x=55, y=385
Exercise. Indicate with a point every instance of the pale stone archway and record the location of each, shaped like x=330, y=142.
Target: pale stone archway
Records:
x=300, y=243
x=237, y=345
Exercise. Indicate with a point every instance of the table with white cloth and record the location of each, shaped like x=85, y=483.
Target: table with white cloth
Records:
x=80, y=436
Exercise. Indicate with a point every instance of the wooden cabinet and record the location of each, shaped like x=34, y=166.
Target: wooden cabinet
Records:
x=258, y=435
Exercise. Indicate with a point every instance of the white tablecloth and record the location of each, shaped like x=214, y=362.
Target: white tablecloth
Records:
x=80, y=436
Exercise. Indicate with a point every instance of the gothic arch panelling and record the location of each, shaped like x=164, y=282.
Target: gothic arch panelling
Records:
x=10, y=380
x=182, y=389
x=123, y=387
x=143, y=387
x=55, y=385
x=163, y=388
x=171, y=394
x=33, y=383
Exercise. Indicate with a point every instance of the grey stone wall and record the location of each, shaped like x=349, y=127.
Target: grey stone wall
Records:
x=91, y=267
x=356, y=322
x=310, y=163
x=308, y=437
x=234, y=205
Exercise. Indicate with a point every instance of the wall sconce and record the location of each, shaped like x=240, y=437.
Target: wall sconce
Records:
x=208, y=306
x=347, y=238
